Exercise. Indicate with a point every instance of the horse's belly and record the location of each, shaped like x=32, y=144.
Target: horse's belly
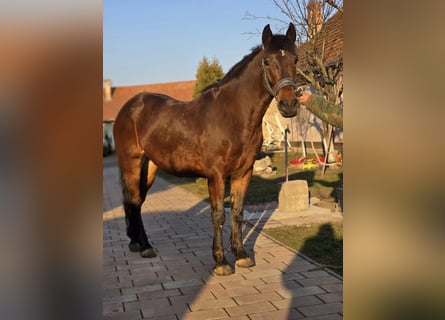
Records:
x=179, y=163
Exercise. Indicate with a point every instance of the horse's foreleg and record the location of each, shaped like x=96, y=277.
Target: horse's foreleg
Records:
x=216, y=193
x=238, y=191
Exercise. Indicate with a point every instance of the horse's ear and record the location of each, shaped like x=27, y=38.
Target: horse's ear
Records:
x=267, y=35
x=291, y=34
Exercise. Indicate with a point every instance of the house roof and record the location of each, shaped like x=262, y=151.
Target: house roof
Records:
x=331, y=33
x=181, y=90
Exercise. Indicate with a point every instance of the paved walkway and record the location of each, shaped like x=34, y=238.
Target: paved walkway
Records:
x=178, y=284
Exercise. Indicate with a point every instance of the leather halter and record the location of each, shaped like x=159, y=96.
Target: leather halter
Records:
x=280, y=84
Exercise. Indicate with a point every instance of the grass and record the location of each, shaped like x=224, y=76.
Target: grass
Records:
x=320, y=242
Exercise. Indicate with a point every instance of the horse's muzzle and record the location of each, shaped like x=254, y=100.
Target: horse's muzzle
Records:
x=288, y=108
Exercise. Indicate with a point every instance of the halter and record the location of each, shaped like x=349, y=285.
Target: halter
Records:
x=280, y=84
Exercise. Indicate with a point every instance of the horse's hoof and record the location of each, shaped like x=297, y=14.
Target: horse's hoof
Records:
x=134, y=247
x=148, y=253
x=223, y=270
x=245, y=262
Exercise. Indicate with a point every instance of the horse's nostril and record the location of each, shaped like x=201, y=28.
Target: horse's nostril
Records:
x=282, y=105
x=288, y=108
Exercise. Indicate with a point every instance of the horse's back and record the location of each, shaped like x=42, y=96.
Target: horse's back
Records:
x=143, y=100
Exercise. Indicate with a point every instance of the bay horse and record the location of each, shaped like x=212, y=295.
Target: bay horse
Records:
x=216, y=136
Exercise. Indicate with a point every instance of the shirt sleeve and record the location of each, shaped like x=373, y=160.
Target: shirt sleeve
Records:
x=325, y=110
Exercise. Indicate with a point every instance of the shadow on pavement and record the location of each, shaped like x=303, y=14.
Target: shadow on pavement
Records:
x=178, y=284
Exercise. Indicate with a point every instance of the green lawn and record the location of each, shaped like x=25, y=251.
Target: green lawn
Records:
x=320, y=242
x=263, y=190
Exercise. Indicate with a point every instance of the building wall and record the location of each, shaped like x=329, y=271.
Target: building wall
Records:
x=311, y=128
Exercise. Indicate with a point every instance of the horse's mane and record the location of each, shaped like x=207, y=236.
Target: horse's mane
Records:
x=235, y=71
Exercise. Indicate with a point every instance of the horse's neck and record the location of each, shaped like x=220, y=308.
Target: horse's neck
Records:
x=252, y=98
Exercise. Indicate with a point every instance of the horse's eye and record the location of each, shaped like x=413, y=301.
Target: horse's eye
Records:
x=266, y=62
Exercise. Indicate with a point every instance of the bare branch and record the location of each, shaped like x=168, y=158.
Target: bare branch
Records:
x=333, y=4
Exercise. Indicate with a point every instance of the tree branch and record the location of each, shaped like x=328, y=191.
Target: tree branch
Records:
x=333, y=4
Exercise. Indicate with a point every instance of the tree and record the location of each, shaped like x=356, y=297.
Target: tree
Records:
x=298, y=11
x=319, y=65
x=207, y=74
x=308, y=17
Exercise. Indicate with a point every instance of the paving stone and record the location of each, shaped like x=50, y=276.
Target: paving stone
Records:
x=321, y=309
x=182, y=283
x=107, y=293
x=327, y=317
x=157, y=311
x=315, y=274
x=331, y=297
x=226, y=280
x=128, y=315
x=234, y=292
x=212, y=304
x=255, y=298
x=263, y=274
x=243, y=283
x=192, y=299
x=318, y=281
x=250, y=309
x=296, y=302
x=177, y=284
x=198, y=290
x=141, y=289
x=112, y=307
x=152, y=295
x=298, y=292
x=292, y=276
x=123, y=298
x=282, y=285
x=277, y=315
x=205, y=314
x=166, y=317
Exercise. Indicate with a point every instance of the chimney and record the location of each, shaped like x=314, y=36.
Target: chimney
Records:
x=107, y=84
x=314, y=17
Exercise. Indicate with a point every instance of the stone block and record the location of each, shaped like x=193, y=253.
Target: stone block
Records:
x=294, y=196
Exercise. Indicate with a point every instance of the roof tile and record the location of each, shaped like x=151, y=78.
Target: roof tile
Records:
x=181, y=90
x=332, y=34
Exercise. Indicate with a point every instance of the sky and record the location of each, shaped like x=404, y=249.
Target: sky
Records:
x=149, y=41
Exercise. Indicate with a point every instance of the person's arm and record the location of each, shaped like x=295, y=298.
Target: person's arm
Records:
x=323, y=109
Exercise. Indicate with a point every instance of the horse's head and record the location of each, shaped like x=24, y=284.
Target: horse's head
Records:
x=279, y=69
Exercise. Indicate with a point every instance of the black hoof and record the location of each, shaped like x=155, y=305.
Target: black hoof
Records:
x=134, y=247
x=148, y=253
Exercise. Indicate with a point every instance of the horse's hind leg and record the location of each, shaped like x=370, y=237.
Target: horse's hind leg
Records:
x=134, y=178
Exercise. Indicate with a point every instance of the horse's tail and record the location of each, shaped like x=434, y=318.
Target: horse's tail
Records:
x=143, y=188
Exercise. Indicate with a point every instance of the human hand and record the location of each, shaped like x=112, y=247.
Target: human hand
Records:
x=303, y=98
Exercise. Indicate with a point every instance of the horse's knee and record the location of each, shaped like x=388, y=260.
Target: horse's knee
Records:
x=237, y=215
x=218, y=218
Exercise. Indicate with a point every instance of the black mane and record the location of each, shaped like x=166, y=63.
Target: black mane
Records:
x=235, y=70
